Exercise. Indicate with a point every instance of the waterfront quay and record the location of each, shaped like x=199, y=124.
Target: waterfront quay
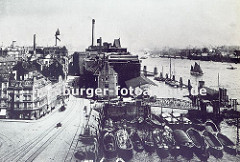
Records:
x=167, y=125
x=146, y=123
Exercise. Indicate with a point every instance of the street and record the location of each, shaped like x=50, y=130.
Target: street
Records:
x=40, y=140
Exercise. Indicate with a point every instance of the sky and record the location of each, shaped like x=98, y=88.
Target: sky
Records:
x=141, y=24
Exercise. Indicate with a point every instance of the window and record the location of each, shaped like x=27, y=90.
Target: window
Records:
x=25, y=97
x=29, y=105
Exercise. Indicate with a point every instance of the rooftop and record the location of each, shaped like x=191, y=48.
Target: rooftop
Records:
x=139, y=81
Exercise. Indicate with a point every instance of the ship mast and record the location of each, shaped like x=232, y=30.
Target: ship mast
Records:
x=170, y=68
x=219, y=100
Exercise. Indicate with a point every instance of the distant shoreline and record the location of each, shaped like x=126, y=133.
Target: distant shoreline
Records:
x=201, y=58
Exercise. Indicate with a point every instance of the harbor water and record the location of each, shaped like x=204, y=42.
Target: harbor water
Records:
x=228, y=79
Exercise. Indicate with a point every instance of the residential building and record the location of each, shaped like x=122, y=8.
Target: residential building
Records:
x=3, y=97
x=28, y=97
x=107, y=80
x=6, y=65
x=31, y=95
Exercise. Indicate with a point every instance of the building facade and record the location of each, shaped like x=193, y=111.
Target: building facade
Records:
x=107, y=81
x=3, y=98
x=27, y=96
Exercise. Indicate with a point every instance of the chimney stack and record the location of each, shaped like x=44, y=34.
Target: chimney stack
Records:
x=34, y=43
x=13, y=44
x=93, y=23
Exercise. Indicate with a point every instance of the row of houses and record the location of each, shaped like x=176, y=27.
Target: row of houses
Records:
x=33, y=85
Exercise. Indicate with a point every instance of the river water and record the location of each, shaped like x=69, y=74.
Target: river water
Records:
x=228, y=79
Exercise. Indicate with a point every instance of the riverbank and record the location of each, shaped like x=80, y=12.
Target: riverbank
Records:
x=202, y=58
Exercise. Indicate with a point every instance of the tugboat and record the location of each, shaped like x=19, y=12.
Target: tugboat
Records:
x=196, y=70
x=228, y=145
x=185, y=143
x=124, y=144
x=109, y=145
x=215, y=146
x=137, y=142
x=160, y=144
x=200, y=147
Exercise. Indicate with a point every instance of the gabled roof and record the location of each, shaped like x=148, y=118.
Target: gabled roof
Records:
x=139, y=81
x=106, y=70
x=24, y=67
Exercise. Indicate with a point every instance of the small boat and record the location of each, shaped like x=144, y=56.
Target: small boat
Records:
x=137, y=142
x=196, y=70
x=211, y=127
x=172, y=83
x=215, y=146
x=144, y=57
x=108, y=126
x=185, y=143
x=231, y=67
x=160, y=78
x=200, y=146
x=184, y=120
x=197, y=124
x=161, y=146
x=149, y=143
x=124, y=144
x=168, y=137
x=155, y=121
x=149, y=74
x=171, y=121
x=228, y=145
x=109, y=145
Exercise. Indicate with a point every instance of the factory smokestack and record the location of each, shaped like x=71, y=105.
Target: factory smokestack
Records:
x=34, y=43
x=93, y=23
